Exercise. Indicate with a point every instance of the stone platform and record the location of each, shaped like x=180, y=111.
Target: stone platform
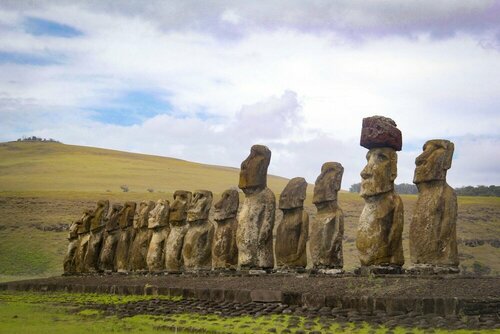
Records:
x=393, y=294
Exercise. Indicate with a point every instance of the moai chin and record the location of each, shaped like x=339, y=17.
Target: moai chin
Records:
x=125, y=239
x=96, y=236
x=111, y=237
x=254, y=236
x=224, y=249
x=327, y=228
x=197, y=248
x=293, y=229
x=83, y=240
x=69, y=259
x=158, y=224
x=141, y=237
x=433, y=234
x=178, y=229
x=379, y=236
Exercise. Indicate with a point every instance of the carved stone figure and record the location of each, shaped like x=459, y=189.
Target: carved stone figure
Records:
x=124, y=242
x=158, y=224
x=379, y=237
x=224, y=249
x=111, y=237
x=293, y=230
x=83, y=240
x=327, y=228
x=178, y=229
x=142, y=236
x=197, y=249
x=433, y=234
x=96, y=236
x=254, y=235
x=69, y=259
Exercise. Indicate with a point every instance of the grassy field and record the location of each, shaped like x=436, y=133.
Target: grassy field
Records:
x=44, y=186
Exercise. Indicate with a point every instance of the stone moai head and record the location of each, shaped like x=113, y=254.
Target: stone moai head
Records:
x=143, y=213
x=253, y=174
x=127, y=214
x=85, y=221
x=328, y=182
x=200, y=205
x=294, y=194
x=227, y=206
x=159, y=216
x=114, y=212
x=382, y=138
x=99, y=214
x=178, y=209
x=434, y=161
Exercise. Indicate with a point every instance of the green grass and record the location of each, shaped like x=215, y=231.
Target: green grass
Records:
x=29, y=312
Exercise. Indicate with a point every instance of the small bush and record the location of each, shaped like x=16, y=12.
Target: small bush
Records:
x=151, y=190
x=124, y=187
x=480, y=269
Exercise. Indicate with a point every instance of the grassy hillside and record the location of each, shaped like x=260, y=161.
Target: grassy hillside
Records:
x=44, y=186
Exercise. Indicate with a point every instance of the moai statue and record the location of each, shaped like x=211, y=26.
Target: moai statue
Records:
x=379, y=237
x=83, y=240
x=142, y=236
x=124, y=242
x=96, y=236
x=197, y=248
x=158, y=224
x=327, y=227
x=224, y=250
x=293, y=230
x=254, y=236
x=178, y=229
x=69, y=259
x=111, y=237
x=433, y=233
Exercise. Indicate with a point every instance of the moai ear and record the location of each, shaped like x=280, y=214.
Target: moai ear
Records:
x=394, y=166
x=450, y=148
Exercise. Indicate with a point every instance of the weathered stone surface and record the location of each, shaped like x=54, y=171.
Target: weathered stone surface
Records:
x=224, y=249
x=254, y=235
x=293, y=230
x=83, y=240
x=379, y=131
x=433, y=235
x=327, y=228
x=178, y=229
x=197, y=249
x=141, y=237
x=158, y=223
x=96, y=236
x=111, y=236
x=69, y=259
x=123, y=246
x=379, y=236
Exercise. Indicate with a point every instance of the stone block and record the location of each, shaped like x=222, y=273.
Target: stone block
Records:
x=314, y=300
x=428, y=305
x=217, y=294
x=291, y=298
x=333, y=301
x=202, y=294
x=378, y=131
x=229, y=295
x=175, y=292
x=188, y=293
x=242, y=296
x=266, y=296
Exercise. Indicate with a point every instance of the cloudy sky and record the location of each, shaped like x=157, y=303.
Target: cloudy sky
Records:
x=204, y=80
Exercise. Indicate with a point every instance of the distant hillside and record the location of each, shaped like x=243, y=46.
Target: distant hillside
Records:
x=49, y=166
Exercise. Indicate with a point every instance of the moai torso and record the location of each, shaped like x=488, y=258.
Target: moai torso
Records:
x=69, y=259
x=83, y=241
x=124, y=241
x=178, y=229
x=141, y=238
x=327, y=228
x=197, y=248
x=159, y=226
x=111, y=237
x=433, y=239
x=224, y=249
x=256, y=218
x=379, y=238
x=96, y=235
x=292, y=231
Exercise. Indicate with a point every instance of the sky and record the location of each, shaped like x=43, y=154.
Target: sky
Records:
x=205, y=80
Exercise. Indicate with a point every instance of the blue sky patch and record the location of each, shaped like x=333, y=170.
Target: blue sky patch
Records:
x=28, y=59
x=131, y=108
x=40, y=27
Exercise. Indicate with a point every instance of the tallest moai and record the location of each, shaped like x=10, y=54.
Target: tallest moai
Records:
x=256, y=218
x=379, y=237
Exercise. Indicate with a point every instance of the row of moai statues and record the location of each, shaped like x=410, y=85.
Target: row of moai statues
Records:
x=180, y=237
